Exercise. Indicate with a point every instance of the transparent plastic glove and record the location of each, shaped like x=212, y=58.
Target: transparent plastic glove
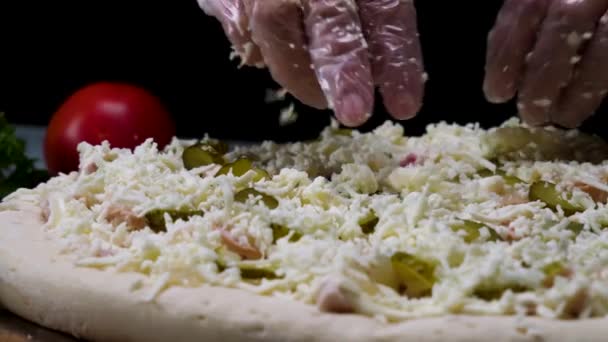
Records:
x=331, y=53
x=554, y=55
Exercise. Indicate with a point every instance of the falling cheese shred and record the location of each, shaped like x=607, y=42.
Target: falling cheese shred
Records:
x=455, y=204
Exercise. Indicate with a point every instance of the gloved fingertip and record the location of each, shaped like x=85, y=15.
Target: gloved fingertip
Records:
x=494, y=94
x=495, y=98
x=532, y=116
x=352, y=111
x=568, y=120
x=569, y=124
x=402, y=106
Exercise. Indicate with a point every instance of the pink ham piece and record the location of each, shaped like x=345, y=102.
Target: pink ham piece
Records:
x=331, y=298
x=118, y=214
x=245, y=250
x=410, y=159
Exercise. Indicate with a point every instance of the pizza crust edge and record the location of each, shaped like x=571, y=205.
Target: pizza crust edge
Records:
x=39, y=284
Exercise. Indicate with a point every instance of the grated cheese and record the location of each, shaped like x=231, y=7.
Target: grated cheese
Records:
x=323, y=190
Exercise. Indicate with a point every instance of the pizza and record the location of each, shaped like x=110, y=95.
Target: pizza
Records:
x=461, y=234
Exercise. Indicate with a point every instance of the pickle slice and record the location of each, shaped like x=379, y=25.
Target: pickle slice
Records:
x=268, y=200
x=200, y=155
x=260, y=174
x=369, y=222
x=347, y=132
x=545, y=144
x=238, y=168
x=553, y=270
x=485, y=173
x=575, y=227
x=490, y=293
x=279, y=232
x=472, y=231
x=547, y=193
x=221, y=266
x=509, y=180
x=416, y=276
x=253, y=272
x=219, y=146
x=156, y=218
x=512, y=139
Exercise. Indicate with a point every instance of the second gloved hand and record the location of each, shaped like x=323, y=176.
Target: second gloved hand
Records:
x=332, y=53
x=554, y=54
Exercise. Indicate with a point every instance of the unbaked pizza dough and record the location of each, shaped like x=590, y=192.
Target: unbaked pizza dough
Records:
x=456, y=235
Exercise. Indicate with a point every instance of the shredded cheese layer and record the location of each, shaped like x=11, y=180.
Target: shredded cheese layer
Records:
x=508, y=220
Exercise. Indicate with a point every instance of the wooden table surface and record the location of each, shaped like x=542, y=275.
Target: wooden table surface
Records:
x=15, y=329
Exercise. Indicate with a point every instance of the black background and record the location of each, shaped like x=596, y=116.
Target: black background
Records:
x=50, y=49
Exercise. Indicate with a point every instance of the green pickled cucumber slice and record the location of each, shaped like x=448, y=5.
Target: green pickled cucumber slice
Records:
x=416, y=276
x=511, y=139
x=221, y=266
x=201, y=155
x=253, y=272
x=243, y=195
x=484, y=173
x=509, y=180
x=547, y=193
x=238, y=168
x=552, y=270
x=347, y=132
x=260, y=175
x=156, y=218
x=369, y=222
x=546, y=144
x=575, y=227
x=279, y=232
x=472, y=228
x=220, y=147
x=490, y=293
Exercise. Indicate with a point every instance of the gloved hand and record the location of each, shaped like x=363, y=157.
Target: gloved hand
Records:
x=331, y=53
x=554, y=54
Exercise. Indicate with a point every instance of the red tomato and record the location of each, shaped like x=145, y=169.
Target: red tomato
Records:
x=125, y=115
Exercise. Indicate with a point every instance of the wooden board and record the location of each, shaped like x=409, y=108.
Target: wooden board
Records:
x=15, y=329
